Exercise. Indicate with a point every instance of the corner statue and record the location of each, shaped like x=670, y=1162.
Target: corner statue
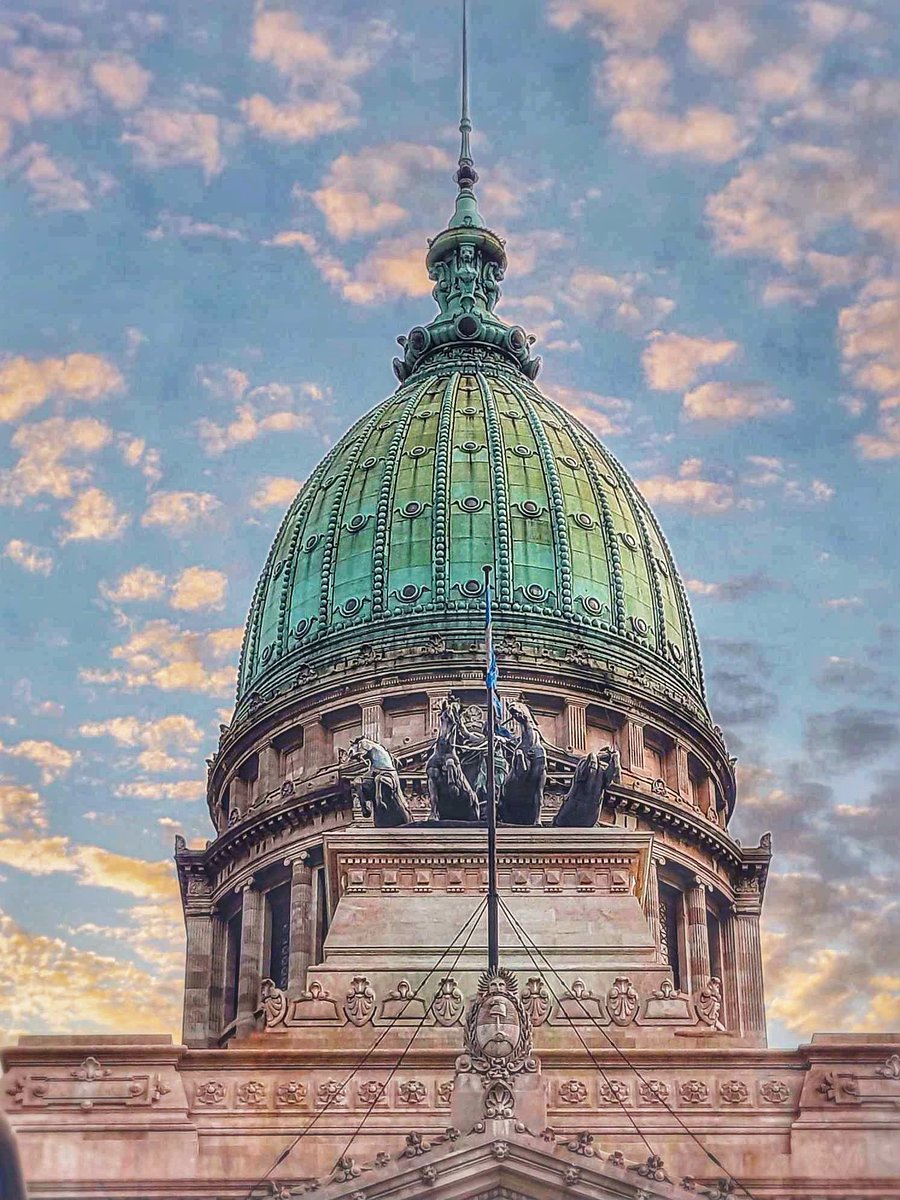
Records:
x=380, y=791
x=593, y=775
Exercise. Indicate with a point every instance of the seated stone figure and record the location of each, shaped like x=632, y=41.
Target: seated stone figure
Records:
x=380, y=791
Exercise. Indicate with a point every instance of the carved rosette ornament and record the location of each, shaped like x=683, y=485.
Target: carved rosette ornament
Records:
x=291, y=1092
x=573, y=1091
x=498, y=1042
x=774, y=1091
x=734, y=1091
x=622, y=1001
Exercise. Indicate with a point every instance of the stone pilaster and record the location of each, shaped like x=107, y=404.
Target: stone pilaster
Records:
x=269, y=770
x=373, y=721
x=314, y=740
x=697, y=935
x=634, y=745
x=217, y=978
x=250, y=972
x=731, y=985
x=682, y=775
x=748, y=956
x=302, y=923
x=197, y=976
x=576, y=726
x=652, y=907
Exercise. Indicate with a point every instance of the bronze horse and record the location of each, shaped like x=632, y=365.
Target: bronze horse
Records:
x=523, y=789
x=593, y=775
x=451, y=794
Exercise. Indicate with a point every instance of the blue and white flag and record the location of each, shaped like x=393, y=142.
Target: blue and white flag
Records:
x=490, y=658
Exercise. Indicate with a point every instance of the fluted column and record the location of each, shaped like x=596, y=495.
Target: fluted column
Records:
x=373, y=721
x=302, y=923
x=748, y=955
x=634, y=745
x=250, y=970
x=731, y=985
x=269, y=770
x=197, y=976
x=682, y=775
x=697, y=935
x=217, y=977
x=653, y=910
x=576, y=726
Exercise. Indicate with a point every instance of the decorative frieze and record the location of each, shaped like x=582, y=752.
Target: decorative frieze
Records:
x=88, y=1086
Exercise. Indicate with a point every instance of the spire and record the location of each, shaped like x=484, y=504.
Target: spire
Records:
x=467, y=263
x=466, y=214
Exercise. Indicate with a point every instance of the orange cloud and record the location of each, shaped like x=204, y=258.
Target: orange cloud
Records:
x=25, y=384
x=672, y=361
x=93, y=516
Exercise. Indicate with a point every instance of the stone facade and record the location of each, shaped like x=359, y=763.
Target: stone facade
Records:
x=334, y=982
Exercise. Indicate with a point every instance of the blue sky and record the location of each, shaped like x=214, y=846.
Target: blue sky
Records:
x=213, y=229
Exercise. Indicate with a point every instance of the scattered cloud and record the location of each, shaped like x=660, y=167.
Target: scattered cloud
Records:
x=360, y=194
x=162, y=137
x=136, y=453
x=174, y=225
x=198, y=588
x=688, y=490
x=29, y=558
x=320, y=98
x=135, y=586
x=729, y=402
x=739, y=587
x=672, y=361
x=627, y=301
x=122, y=80
x=152, y=789
x=275, y=491
x=93, y=516
x=273, y=408
x=51, y=760
x=604, y=416
x=617, y=22
x=179, y=512
x=393, y=267
x=837, y=603
x=161, y=655
x=21, y=808
x=721, y=40
x=167, y=744
x=52, y=182
x=113, y=994
x=854, y=735
x=26, y=384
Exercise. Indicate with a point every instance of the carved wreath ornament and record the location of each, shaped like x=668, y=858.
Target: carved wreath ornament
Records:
x=498, y=1041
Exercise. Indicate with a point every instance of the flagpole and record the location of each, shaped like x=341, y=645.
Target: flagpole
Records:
x=493, y=904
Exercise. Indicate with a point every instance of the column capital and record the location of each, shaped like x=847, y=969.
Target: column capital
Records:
x=302, y=858
x=247, y=886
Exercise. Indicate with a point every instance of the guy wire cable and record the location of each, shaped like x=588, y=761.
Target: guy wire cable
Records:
x=576, y=1031
x=522, y=932
x=467, y=928
x=403, y=1053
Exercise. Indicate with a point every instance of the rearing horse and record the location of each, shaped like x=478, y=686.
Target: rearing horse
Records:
x=451, y=795
x=380, y=790
x=523, y=788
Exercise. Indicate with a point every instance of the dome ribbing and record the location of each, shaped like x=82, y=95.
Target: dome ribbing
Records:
x=469, y=463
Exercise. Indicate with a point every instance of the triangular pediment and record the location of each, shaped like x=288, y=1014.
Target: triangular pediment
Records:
x=498, y=1160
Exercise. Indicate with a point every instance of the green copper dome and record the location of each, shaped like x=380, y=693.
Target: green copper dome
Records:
x=466, y=464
